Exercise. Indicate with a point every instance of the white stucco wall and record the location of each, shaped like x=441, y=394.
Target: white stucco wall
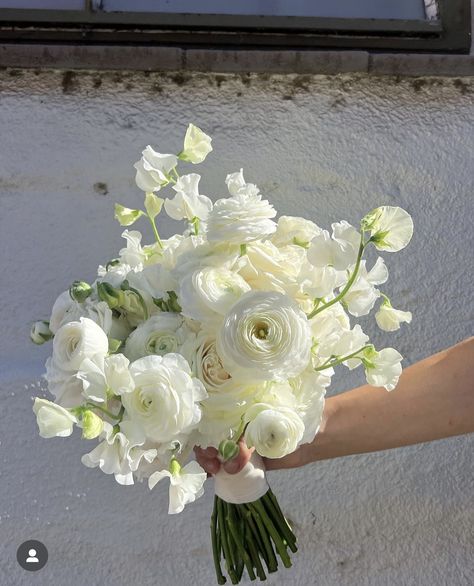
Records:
x=327, y=148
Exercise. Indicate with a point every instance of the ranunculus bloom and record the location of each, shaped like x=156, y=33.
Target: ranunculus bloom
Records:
x=76, y=341
x=265, y=336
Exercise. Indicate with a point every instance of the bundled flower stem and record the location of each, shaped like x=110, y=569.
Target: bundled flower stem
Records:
x=248, y=536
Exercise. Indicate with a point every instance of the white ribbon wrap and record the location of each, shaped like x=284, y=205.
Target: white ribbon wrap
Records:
x=246, y=486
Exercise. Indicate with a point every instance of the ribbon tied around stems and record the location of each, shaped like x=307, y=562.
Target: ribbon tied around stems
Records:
x=246, y=486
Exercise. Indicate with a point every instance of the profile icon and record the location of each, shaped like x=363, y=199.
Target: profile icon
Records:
x=32, y=559
x=32, y=555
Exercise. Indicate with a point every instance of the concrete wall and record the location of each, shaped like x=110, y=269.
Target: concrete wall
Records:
x=327, y=148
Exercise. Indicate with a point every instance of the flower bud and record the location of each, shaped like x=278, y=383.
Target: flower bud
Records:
x=40, y=332
x=80, y=291
x=92, y=425
x=175, y=467
x=113, y=297
x=228, y=449
x=126, y=216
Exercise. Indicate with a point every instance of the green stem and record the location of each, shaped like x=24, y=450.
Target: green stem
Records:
x=280, y=546
x=272, y=561
x=280, y=522
x=231, y=523
x=225, y=543
x=348, y=285
x=155, y=231
x=215, y=551
x=106, y=411
x=340, y=360
x=254, y=554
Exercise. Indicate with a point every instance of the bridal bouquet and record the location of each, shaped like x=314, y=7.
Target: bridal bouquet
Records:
x=229, y=329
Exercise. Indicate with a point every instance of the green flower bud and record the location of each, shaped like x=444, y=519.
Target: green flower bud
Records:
x=92, y=425
x=153, y=204
x=113, y=297
x=80, y=291
x=134, y=304
x=228, y=449
x=114, y=345
x=126, y=216
x=172, y=302
x=40, y=332
x=175, y=467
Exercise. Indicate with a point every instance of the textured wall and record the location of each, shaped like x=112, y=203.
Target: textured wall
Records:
x=327, y=148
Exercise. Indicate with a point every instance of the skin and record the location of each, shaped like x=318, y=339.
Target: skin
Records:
x=434, y=399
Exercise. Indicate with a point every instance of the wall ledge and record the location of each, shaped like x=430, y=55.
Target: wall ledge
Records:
x=159, y=58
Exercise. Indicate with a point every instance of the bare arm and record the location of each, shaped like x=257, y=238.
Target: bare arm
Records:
x=434, y=399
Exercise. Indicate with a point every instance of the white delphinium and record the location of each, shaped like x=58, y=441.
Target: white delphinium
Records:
x=389, y=319
x=188, y=203
x=265, y=336
x=242, y=218
x=165, y=401
x=390, y=227
x=120, y=452
x=52, y=419
x=186, y=484
x=153, y=169
x=197, y=145
x=161, y=334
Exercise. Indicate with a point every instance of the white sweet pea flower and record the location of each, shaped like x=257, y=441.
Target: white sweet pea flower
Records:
x=265, y=336
x=361, y=297
x=52, y=419
x=242, y=218
x=389, y=319
x=318, y=282
x=76, y=341
x=100, y=374
x=186, y=484
x=383, y=368
x=188, y=204
x=309, y=390
x=350, y=341
x=120, y=453
x=166, y=398
x=294, y=230
x=65, y=387
x=161, y=334
x=133, y=255
x=197, y=145
x=275, y=432
x=391, y=228
x=339, y=251
x=209, y=291
x=153, y=170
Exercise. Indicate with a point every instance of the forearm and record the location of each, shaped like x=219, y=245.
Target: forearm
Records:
x=434, y=399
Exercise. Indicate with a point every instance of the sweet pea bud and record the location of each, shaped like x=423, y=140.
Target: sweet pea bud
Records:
x=80, y=291
x=126, y=216
x=134, y=304
x=114, y=345
x=92, y=425
x=113, y=297
x=175, y=467
x=228, y=449
x=40, y=332
x=153, y=204
x=368, y=356
x=172, y=302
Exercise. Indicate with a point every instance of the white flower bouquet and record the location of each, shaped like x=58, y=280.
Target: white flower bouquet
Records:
x=230, y=329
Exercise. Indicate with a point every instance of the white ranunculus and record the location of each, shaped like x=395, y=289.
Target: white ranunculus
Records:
x=120, y=453
x=209, y=367
x=188, y=203
x=242, y=218
x=161, y=334
x=383, y=368
x=294, y=230
x=209, y=291
x=269, y=268
x=391, y=228
x=265, y=336
x=186, y=485
x=339, y=251
x=76, y=341
x=52, y=419
x=133, y=254
x=166, y=398
x=101, y=374
x=275, y=432
x=153, y=169
x=197, y=145
x=389, y=319
x=65, y=309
